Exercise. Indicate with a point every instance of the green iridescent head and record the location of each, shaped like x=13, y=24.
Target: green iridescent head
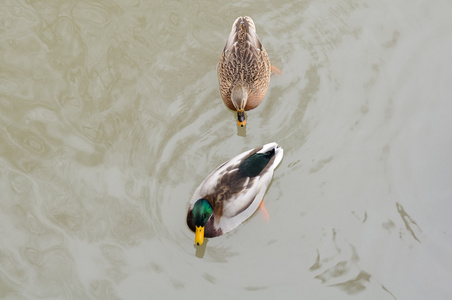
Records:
x=202, y=210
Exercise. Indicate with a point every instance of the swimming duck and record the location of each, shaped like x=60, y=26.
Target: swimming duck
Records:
x=232, y=192
x=244, y=69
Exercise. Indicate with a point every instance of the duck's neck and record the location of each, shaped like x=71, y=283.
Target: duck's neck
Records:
x=239, y=96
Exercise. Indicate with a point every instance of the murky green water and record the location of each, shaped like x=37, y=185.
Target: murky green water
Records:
x=110, y=117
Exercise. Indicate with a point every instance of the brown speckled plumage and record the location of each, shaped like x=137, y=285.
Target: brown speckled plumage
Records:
x=244, y=61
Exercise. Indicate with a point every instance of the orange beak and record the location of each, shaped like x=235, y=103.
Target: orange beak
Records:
x=241, y=120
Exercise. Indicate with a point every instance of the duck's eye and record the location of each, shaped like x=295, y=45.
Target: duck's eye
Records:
x=203, y=216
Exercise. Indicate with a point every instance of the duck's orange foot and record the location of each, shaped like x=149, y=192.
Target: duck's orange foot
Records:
x=264, y=211
x=276, y=71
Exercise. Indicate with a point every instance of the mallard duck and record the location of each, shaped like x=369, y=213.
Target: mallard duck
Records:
x=244, y=69
x=232, y=192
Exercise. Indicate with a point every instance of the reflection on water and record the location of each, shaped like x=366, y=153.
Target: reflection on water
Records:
x=110, y=116
x=201, y=250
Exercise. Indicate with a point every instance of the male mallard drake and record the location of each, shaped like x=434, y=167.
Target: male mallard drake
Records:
x=232, y=192
x=244, y=69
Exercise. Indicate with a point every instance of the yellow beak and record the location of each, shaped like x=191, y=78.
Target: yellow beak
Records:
x=199, y=237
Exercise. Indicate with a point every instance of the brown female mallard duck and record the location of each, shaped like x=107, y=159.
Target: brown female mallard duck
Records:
x=232, y=192
x=244, y=69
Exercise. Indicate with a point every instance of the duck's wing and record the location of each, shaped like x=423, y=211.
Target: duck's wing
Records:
x=243, y=53
x=251, y=180
x=219, y=176
x=235, y=185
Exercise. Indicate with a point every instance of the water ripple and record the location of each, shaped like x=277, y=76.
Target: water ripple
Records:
x=110, y=117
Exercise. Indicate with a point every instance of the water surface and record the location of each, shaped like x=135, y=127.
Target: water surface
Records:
x=110, y=117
